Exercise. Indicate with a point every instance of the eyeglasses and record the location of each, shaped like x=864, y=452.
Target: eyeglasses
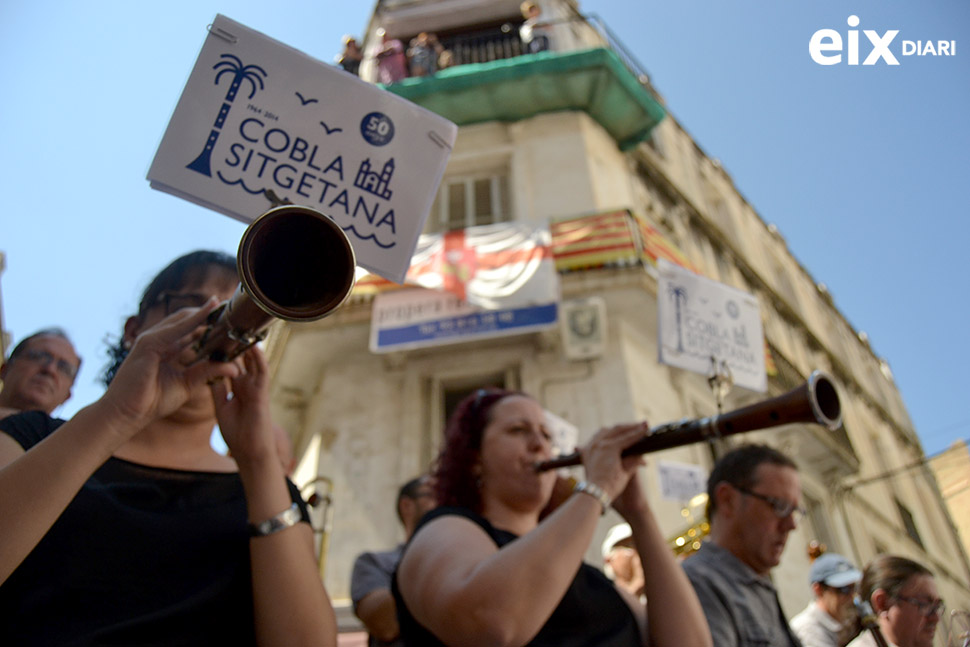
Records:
x=173, y=302
x=780, y=507
x=925, y=607
x=62, y=366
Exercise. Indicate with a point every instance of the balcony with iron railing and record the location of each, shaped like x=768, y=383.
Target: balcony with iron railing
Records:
x=498, y=41
x=491, y=77
x=485, y=45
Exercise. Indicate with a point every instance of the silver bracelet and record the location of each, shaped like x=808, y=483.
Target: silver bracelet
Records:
x=596, y=492
x=289, y=517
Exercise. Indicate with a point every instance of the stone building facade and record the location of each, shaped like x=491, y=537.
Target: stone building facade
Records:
x=570, y=134
x=952, y=470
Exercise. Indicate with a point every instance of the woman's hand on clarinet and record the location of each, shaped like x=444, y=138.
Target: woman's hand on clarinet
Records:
x=160, y=373
x=602, y=459
x=631, y=503
x=242, y=408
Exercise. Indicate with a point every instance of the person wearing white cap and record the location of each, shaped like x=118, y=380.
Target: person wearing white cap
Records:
x=621, y=562
x=823, y=623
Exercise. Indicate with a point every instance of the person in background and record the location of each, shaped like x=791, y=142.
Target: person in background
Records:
x=370, y=581
x=351, y=57
x=824, y=622
x=753, y=494
x=904, y=598
x=392, y=64
x=423, y=54
x=446, y=59
x=39, y=373
x=621, y=562
x=482, y=569
x=534, y=34
x=124, y=526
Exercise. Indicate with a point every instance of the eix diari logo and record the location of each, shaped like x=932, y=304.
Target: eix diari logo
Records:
x=829, y=40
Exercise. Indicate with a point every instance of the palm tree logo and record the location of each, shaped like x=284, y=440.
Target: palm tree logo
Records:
x=252, y=73
x=680, y=297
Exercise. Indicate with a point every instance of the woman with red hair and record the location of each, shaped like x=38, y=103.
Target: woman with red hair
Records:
x=482, y=569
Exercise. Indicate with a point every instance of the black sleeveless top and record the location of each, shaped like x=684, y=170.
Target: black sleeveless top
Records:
x=591, y=613
x=141, y=556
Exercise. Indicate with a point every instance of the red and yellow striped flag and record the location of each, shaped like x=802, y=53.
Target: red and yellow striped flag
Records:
x=593, y=241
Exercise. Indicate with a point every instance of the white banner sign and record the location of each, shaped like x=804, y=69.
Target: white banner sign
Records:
x=681, y=482
x=487, y=281
x=257, y=115
x=419, y=318
x=701, y=320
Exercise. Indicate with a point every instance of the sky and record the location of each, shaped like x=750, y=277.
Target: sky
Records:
x=860, y=167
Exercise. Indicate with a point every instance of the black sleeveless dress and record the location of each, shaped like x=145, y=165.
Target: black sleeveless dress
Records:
x=141, y=556
x=591, y=613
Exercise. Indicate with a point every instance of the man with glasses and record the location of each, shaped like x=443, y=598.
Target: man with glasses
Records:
x=753, y=495
x=370, y=583
x=904, y=599
x=824, y=622
x=39, y=373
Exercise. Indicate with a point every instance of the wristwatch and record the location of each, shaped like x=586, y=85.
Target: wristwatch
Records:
x=595, y=491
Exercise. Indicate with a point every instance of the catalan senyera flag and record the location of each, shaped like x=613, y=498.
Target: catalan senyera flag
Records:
x=770, y=368
x=656, y=245
x=593, y=241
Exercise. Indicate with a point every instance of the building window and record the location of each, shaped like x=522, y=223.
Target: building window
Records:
x=447, y=390
x=704, y=253
x=819, y=521
x=453, y=395
x=470, y=200
x=909, y=523
x=655, y=142
x=725, y=266
x=783, y=282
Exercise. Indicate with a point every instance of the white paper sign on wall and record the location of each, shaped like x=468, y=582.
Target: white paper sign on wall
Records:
x=681, y=482
x=701, y=319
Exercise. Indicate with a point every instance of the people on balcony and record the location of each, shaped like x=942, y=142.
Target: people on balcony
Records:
x=423, y=54
x=351, y=57
x=392, y=65
x=535, y=35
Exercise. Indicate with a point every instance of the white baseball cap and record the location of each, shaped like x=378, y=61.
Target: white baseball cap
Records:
x=615, y=535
